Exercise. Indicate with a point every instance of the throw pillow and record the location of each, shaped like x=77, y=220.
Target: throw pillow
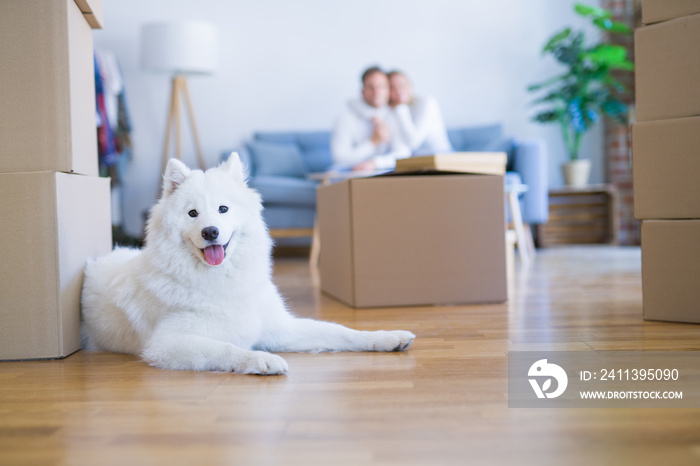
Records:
x=474, y=138
x=277, y=159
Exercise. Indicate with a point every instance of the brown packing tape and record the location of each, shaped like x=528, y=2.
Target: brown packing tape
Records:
x=92, y=9
x=92, y=21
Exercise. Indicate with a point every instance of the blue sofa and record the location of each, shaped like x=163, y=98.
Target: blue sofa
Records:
x=278, y=163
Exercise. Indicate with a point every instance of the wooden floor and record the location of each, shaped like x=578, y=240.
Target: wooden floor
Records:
x=443, y=402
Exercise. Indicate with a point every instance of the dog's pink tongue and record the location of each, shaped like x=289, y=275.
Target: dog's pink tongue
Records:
x=214, y=255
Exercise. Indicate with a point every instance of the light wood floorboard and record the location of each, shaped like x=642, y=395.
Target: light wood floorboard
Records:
x=443, y=402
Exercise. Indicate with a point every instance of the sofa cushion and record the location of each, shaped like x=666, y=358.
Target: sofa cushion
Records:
x=315, y=146
x=474, y=138
x=277, y=138
x=318, y=160
x=286, y=217
x=277, y=159
x=284, y=190
x=289, y=216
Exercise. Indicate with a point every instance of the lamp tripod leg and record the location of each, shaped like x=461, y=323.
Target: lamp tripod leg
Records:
x=178, y=118
x=169, y=123
x=195, y=136
x=179, y=90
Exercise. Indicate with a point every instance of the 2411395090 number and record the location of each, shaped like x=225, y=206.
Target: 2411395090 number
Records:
x=639, y=374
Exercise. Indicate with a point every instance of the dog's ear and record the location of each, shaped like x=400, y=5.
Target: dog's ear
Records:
x=175, y=174
x=234, y=166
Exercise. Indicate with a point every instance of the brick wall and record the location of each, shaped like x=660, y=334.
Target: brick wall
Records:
x=618, y=147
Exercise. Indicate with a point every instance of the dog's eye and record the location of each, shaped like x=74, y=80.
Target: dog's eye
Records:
x=223, y=209
x=192, y=213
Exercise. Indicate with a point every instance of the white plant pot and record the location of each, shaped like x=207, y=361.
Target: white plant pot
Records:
x=576, y=172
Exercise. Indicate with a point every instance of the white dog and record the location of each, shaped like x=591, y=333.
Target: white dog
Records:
x=200, y=295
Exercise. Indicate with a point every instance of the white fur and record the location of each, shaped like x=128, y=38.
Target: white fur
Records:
x=166, y=304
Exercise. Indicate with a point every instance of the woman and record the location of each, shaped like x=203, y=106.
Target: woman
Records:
x=420, y=120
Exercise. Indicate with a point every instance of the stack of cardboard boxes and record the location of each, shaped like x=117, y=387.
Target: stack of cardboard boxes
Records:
x=55, y=210
x=666, y=157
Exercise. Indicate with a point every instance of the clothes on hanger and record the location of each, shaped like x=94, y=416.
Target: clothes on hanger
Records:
x=113, y=122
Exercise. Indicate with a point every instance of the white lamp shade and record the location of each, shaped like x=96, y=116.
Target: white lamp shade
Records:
x=186, y=47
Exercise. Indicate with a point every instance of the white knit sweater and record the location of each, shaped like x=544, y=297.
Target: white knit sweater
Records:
x=422, y=127
x=351, y=142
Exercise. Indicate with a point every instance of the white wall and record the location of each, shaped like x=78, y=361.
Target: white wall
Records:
x=292, y=65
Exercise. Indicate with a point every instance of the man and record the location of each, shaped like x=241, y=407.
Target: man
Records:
x=366, y=136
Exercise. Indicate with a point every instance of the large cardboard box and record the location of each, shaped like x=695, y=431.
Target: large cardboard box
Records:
x=655, y=11
x=666, y=164
x=51, y=224
x=47, y=88
x=670, y=270
x=413, y=240
x=668, y=69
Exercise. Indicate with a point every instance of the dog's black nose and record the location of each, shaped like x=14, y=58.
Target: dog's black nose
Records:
x=210, y=233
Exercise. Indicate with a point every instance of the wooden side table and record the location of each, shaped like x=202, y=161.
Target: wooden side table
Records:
x=585, y=215
x=523, y=235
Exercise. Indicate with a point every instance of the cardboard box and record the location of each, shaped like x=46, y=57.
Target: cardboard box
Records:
x=413, y=240
x=666, y=164
x=92, y=11
x=668, y=69
x=655, y=11
x=52, y=223
x=47, y=88
x=670, y=270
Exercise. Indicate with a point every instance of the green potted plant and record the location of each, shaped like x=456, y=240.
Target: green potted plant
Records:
x=577, y=98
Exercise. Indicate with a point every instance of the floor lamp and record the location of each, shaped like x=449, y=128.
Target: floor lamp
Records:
x=180, y=49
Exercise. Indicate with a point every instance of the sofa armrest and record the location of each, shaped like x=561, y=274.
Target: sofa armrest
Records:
x=530, y=161
x=245, y=158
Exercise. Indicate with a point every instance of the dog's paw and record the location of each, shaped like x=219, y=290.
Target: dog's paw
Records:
x=262, y=363
x=395, y=340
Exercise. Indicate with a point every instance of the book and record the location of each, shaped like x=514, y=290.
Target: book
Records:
x=490, y=163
